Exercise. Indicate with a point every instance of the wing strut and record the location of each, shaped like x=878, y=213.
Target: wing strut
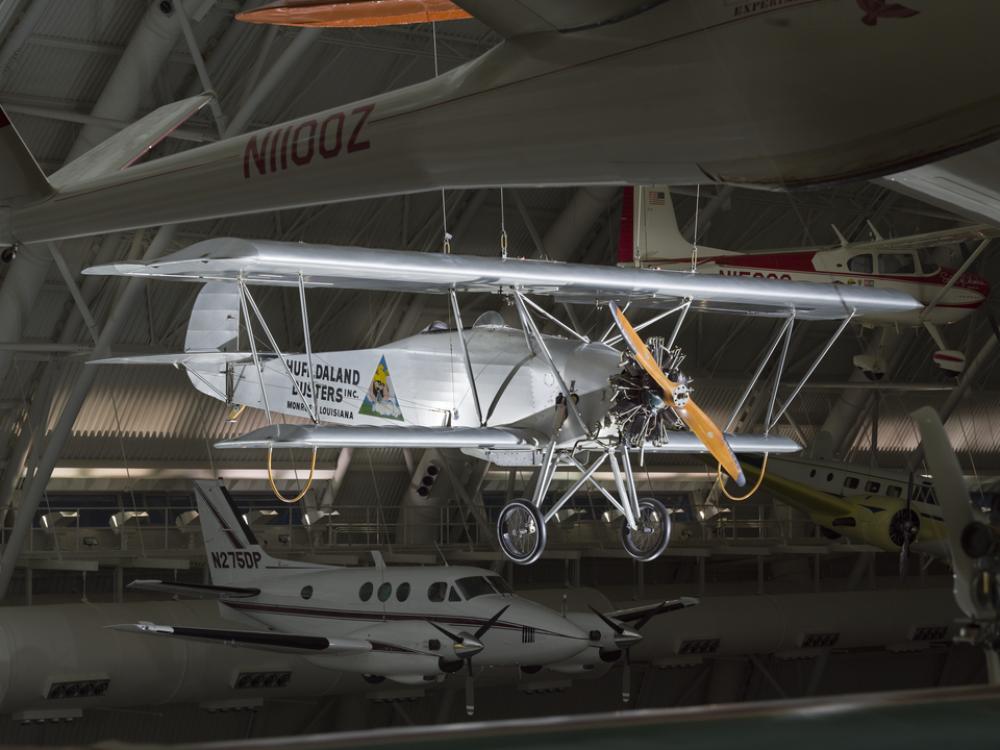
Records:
x=465, y=358
x=530, y=329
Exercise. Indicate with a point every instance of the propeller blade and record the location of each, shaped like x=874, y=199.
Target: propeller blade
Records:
x=668, y=607
x=485, y=627
x=617, y=628
x=470, y=692
x=454, y=637
x=697, y=421
x=626, y=678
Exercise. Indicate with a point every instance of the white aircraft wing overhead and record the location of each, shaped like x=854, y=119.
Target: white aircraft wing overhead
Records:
x=967, y=184
x=283, y=264
x=376, y=436
x=513, y=18
x=257, y=639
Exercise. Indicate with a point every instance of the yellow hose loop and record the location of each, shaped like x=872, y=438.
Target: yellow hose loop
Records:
x=756, y=485
x=274, y=487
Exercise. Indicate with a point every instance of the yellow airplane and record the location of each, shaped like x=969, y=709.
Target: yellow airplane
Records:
x=867, y=506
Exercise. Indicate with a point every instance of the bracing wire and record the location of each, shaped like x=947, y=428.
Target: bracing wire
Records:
x=446, y=241
x=694, y=245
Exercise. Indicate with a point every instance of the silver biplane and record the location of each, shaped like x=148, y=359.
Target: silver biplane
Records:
x=511, y=396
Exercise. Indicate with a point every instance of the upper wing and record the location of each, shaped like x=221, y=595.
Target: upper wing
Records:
x=283, y=264
x=186, y=359
x=374, y=436
x=198, y=590
x=259, y=639
x=688, y=442
x=513, y=18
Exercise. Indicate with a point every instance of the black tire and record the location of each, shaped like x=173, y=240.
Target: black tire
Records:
x=521, y=532
x=653, y=535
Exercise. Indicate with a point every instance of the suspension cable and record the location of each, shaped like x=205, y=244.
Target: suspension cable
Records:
x=503, y=228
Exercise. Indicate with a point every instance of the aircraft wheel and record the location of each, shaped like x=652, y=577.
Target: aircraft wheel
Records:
x=521, y=532
x=651, y=538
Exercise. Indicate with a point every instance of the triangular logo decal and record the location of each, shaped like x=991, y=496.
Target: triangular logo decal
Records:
x=380, y=401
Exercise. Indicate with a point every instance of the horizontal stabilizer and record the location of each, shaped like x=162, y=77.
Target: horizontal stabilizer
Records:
x=365, y=436
x=197, y=360
x=258, y=639
x=127, y=146
x=688, y=442
x=196, y=590
x=268, y=263
x=647, y=611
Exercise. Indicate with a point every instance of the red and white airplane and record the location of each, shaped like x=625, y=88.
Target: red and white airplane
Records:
x=649, y=237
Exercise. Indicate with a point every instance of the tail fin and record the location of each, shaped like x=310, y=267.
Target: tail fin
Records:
x=234, y=556
x=128, y=145
x=214, y=327
x=649, y=230
x=21, y=179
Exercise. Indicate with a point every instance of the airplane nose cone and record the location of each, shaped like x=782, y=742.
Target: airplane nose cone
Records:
x=627, y=638
x=469, y=646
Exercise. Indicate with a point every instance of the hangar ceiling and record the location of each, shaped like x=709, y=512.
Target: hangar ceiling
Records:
x=58, y=60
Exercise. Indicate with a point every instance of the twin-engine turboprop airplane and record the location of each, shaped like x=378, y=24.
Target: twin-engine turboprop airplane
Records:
x=514, y=397
x=612, y=92
x=649, y=238
x=407, y=624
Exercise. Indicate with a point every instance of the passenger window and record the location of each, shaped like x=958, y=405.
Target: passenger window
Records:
x=872, y=487
x=307, y=592
x=896, y=263
x=403, y=592
x=453, y=595
x=366, y=591
x=894, y=490
x=829, y=477
x=860, y=264
x=384, y=592
x=851, y=483
x=436, y=591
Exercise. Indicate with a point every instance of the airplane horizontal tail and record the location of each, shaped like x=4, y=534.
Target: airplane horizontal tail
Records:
x=255, y=639
x=128, y=145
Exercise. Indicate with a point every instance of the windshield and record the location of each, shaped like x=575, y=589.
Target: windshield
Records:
x=500, y=585
x=474, y=586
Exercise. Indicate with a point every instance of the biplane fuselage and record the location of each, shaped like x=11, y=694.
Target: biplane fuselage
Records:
x=421, y=381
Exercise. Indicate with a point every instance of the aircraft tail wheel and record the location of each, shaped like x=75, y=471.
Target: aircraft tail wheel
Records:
x=521, y=532
x=651, y=538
